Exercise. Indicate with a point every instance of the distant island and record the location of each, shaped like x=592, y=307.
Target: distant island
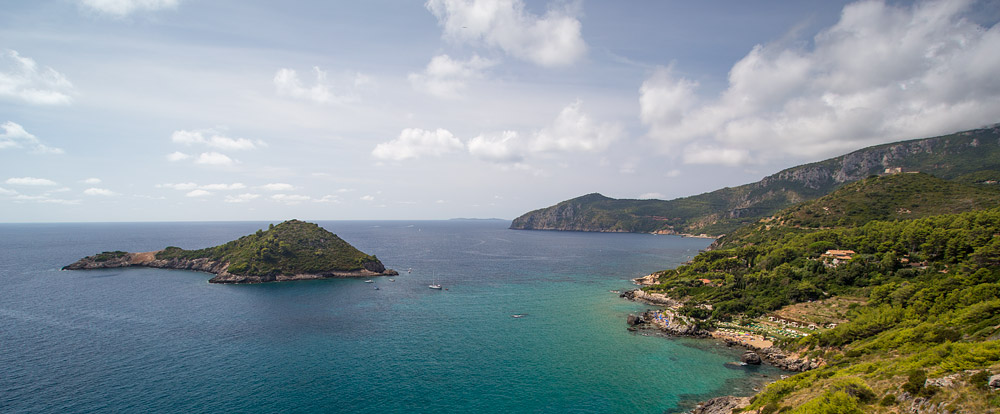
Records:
x=292, y=250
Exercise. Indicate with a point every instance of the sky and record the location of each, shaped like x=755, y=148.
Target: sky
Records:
x=202, y=110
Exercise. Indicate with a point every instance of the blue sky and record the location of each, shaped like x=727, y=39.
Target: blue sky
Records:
x=161, y=110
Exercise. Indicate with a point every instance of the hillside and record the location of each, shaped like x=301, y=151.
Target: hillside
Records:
x=888, y=197
x=292, y=250
x=970, y=156
x=907, y=322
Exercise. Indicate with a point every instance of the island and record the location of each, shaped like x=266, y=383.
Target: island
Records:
x=292, y=250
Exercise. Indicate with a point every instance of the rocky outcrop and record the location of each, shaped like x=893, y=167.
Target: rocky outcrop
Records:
x=110, y=260
x=750, y=358
x=721, y=405
x=658, y=299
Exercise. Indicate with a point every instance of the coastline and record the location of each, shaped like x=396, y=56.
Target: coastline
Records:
x=219, y=269
x=758, y=349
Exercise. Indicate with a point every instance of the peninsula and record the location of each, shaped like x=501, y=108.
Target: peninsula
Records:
x=292, y=250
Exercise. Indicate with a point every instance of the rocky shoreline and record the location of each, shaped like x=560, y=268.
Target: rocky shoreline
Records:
x=219, y=269
x=670, y=323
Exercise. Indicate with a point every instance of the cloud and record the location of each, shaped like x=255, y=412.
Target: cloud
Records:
x=368, y=198
x=215, y=158
x=99, y=192
x=445, y=77
x=287, y=83
x=197, y=193
x=697, y=154
x=213, y=140
x=290, y=199
x=277, y=187
x=31, y=181
x=571, y=131
x=880, y=74
x=22, y=79
x=14, y=136
x=92, y=180
x=503, y=148
x=4, y=191
x=329, y=198
x=416, y=142
x=122, y=8
x=177, y=156
x=242, y=198
x=575, y=131
x=550, y=40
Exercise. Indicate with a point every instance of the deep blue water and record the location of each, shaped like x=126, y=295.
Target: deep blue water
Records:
x=150, y=340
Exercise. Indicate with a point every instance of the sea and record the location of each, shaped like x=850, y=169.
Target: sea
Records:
x=141, y=340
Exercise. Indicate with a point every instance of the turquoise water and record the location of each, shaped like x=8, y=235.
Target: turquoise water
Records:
x=150, y=340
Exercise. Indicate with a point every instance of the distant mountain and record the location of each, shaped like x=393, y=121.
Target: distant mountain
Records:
x=903, y=196
x=292, y=250
x=970, y=156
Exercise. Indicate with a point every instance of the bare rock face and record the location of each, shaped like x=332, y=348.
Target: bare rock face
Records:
x=750, y=358
x=721, y=405
x=994, y=382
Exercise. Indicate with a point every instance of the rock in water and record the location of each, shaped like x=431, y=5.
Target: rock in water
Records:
x=721, y=405
x=750, y=358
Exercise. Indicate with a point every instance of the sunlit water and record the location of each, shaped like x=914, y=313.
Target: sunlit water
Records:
x=150, y=340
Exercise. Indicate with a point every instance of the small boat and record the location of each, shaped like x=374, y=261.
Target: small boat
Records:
x=435, y=286
x=369, y=281
x=409, y=270
x=517, y=315
x=392, y=280
x=376, y=288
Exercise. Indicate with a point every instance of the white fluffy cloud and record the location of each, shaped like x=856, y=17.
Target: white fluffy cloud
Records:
x=197, y=193
x=92, y=180
x=99, y=192
x=31, y=181
x=213, y=139
x=14, y=136
x=416, y=142
x=122, y=8
x=880, y=74
x=22, y=79
x=215, y=158
x=571, y=131
x=177, y=156
x=287, y=83
x=445, y=77
x=550, y=40
x=502, y=148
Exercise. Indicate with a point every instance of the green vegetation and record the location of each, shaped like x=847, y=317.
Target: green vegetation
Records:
x=105, y=256
x=971, y=157
x=292, y=247
x=932, y=286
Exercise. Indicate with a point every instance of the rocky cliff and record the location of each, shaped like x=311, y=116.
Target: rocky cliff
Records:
x=950, y=157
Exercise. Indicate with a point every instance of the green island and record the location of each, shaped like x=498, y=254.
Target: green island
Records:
x=885, y=293
x=292, y=250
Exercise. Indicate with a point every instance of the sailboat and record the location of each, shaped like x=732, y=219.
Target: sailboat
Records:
x=435, y=285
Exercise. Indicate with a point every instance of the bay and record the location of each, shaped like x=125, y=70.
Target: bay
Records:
x=153, y=340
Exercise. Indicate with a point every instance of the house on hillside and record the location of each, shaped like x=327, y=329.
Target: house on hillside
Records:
x=836, y=257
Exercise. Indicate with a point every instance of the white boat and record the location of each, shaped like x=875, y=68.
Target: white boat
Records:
x=369, y=281
x=435, y=286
